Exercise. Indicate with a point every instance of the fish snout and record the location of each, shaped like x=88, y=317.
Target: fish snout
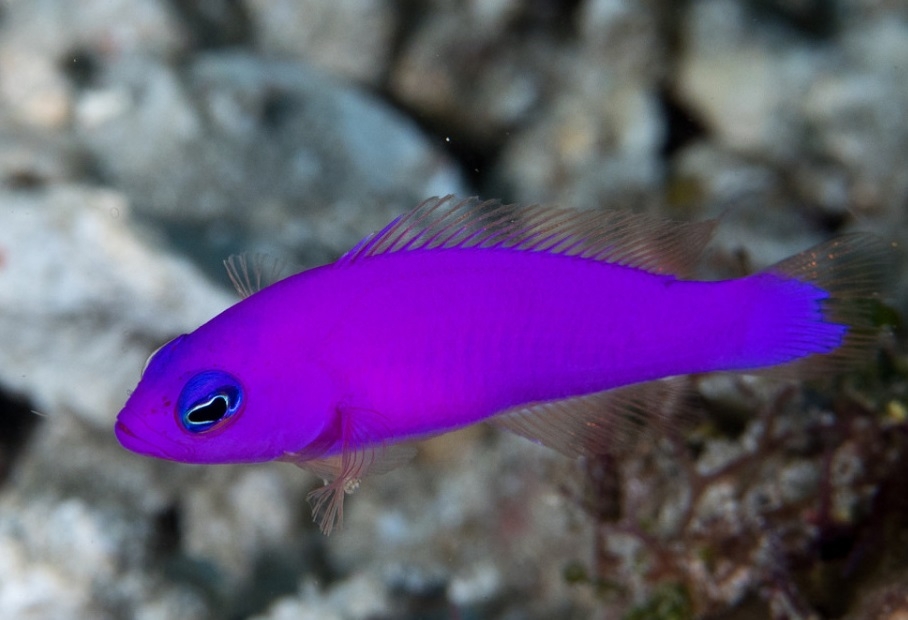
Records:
x=130, y=440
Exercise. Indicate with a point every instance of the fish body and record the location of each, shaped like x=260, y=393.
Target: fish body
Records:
x=459, y=335
x=459, y=313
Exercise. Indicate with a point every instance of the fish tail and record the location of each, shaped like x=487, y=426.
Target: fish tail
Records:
x=825, y=306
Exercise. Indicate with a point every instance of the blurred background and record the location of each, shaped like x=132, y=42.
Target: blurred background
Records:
x=143, y=141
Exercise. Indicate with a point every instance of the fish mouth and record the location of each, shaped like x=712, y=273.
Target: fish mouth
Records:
x=131, y=441
x=139, y=443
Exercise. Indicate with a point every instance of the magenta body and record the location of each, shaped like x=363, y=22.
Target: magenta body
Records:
x=448, y=338
x=420, y=342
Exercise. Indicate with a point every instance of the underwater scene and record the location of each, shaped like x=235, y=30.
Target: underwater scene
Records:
x=453, y=310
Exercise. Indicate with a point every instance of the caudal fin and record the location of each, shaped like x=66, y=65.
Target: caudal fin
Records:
x=851, y=270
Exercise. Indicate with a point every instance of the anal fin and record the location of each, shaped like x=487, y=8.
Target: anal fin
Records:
x=605, y=422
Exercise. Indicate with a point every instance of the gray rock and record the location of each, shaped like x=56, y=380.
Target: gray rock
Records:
x=598, y=144
x=760, y=224
x=45, y=547
x=745, y=81
x=113, y=28
x=349, y=38
x=31, y=158
x=91, y=304
x=465, y=514
x=357, y=598
x=460, y=70
x=830, y=117
x=265, y=503
x=40, y=41
x=131, y=139
x=855, y=113
x=626, y=36
x=241, y=154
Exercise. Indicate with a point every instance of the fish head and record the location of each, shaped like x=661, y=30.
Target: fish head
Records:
x=196, y=404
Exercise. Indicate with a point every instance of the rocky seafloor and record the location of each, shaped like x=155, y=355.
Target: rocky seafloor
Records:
x=143, y=141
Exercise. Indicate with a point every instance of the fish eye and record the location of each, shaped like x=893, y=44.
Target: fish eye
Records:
x=207, y=400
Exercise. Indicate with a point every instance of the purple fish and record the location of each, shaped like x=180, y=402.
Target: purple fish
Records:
x=553, y=324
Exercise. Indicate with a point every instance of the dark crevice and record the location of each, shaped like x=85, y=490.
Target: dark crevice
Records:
x=205, y=245
x=419, y=596
x=682, y=125
x=18, y=421
x=89, y=167
x=475, y=157
x=24, y=180
x=547, y=19
x=555, y=18
x=411, y=15
x=835, y=542
x=671, y=15
x=604, y=499
x=168, y=531
x=81, y=68
x=274, y=576
x=278, y=108
x=816, y=19
x=214, y=24
x=275, y=573
x=198, y=574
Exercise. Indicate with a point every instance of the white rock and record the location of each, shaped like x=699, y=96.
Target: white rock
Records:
x=84, y=300
x=357, y=598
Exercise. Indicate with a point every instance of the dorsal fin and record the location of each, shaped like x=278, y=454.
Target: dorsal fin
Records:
x=645, y=242
x=250, y=273
x=605, y=422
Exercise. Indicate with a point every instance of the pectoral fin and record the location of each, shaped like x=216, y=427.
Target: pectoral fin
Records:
x=361, y=453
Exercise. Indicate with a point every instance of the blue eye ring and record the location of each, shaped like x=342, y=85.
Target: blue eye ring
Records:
x=208, y=400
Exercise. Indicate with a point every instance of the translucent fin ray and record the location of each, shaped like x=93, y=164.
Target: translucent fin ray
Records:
x=360, y=455
x=611, y=422
x=653, y=244
x=250, y=273
x=853, y=270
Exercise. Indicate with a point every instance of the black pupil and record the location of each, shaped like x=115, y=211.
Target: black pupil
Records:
x=212, y=411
